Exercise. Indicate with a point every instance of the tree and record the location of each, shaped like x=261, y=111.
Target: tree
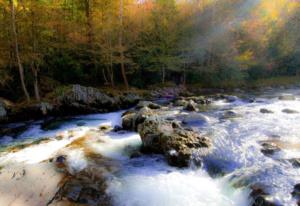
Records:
x=121, y=46
x=16, y=47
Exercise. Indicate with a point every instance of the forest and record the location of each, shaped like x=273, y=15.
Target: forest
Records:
x=149, y=102
x=138, y=43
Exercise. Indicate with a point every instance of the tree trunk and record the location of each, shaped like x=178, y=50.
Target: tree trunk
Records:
x=88, y=14
x=111, y=70
x=184, y=75
x=104, y=77
x=122, y=58
x=90, y=33
x=163, y=75
x=36, y=82
x=34, y=65
x=16, y=48
x=213, y=25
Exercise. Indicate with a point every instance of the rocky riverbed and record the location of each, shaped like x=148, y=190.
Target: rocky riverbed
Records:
x=231, y=150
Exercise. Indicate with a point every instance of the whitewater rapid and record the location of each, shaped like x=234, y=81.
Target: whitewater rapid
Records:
x=148, y=181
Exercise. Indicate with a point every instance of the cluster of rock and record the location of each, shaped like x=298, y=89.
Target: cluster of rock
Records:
x=167, y=136
x=89, y=99
x=73, y=101
x=191, y=103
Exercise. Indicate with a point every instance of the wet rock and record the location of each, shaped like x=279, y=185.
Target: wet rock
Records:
x=13, y=130
x=191, y=106
x=131, y=119
x=117, y=128
x=260, y=197
x=86, y=187
x=45, y=107
x=199, y=99
x=31, y=111
x=39, y=110
x=266, y=111
x=217, y=167
x=129, y=100
x=128, y=121
x=61, y=159
x=290, y=111
x=54, y=123
x=5, y=107
x=135, y=154
x=60, y=163
x=86, y=98
x=148, y=104
x=195, y=119
x=287, y=97
x=176, y=143
x=80, y=124
x=105, y=127
x=181, y=103
x=296, y=192
x=295, y=162
x=79, y=99
x=230, y=99
x=230, y=115
x=269, y=148
x=262, y=201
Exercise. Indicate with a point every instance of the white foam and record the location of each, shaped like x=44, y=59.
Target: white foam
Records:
x=189, y=188
x=237, y=145
x=76, y=161
x=38, y=153
x=117, y=147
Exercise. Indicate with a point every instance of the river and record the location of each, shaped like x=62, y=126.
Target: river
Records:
x=29, y=175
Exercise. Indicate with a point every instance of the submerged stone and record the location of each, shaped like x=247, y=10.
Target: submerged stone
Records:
x=290, y=111
x=270, y=148
x=230, y=115
x=287, y=97
x=195, y=118
x=295, y=162
x=260, y=197
x=266, y=111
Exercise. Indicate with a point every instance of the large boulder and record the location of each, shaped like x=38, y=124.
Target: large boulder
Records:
x=177, y=144
x=86, y=98
x=89, y=100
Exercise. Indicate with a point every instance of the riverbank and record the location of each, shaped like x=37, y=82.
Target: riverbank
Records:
x=72, y=100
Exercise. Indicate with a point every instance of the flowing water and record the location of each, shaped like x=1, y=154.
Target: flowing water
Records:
x=235, y=164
